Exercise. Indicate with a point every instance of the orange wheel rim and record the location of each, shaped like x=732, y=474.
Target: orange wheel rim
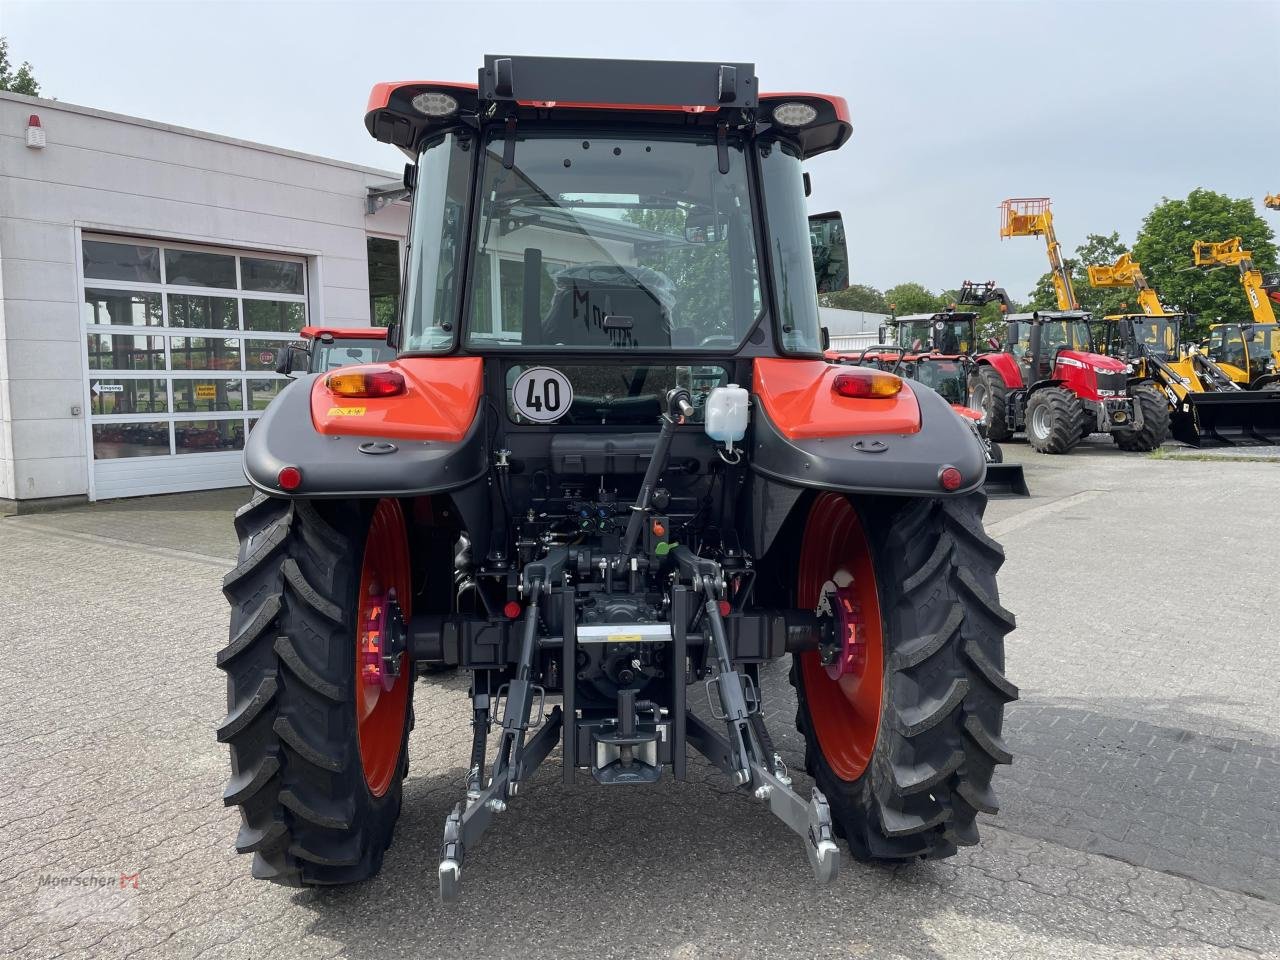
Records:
x=380, y=712
x=845, y=711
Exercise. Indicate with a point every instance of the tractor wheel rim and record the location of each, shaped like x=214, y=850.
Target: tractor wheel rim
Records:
x=1040, y=422
x=980, y=399
x=380, y=708
x=844, y=710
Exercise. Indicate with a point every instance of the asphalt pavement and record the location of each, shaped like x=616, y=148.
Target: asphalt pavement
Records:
x=1140, y=817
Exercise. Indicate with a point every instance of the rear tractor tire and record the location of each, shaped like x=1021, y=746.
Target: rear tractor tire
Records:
x=988, y=393
x=904, y=746
x=1155, y=422
x=318, y=753
x=1055, y=420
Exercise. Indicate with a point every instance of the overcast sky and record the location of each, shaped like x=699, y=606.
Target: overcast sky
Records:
x=1105, y=107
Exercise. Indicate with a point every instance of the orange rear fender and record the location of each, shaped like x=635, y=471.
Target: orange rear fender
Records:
x=798, y=396
x=442, y=395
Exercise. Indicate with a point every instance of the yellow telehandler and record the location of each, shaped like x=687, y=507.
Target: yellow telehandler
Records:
x=1206, y=406
x=1249, y=353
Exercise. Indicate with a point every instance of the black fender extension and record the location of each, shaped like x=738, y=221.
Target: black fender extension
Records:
x=359, y=466
x=891, y=463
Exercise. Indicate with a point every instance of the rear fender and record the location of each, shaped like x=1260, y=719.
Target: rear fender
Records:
x=1005, y=365
x=839, y=445
x=428, y=440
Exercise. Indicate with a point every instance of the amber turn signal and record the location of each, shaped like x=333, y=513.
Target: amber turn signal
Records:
x=370, y=381
x=866, y=383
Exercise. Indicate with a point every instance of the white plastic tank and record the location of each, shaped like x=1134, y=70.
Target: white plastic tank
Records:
x=725, y=414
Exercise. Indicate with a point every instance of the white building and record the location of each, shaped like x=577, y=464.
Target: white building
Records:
x=852, y=329
x=148, y=273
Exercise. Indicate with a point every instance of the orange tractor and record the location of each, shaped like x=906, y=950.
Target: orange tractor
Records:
x=610, y=467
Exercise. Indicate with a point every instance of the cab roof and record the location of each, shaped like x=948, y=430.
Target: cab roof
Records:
x=344, y=333
x=568, y=90
x=940, y=315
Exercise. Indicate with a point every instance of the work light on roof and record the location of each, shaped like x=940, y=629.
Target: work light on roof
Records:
x=435, y=104
x=794, y=114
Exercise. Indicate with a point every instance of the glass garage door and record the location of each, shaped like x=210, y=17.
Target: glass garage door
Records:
x=181, y=344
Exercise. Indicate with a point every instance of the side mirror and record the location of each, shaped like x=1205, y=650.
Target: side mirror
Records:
x=292, y=358
x=826, y=338
x=830, y=254
x=882, y=334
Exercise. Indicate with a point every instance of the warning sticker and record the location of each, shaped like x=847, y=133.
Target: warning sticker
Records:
x=206, y=391
x=346, y=411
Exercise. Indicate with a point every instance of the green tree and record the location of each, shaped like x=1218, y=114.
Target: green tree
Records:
x=1098, y=249
x=857, y=296
x=1164, y=250
x=909, y=297
x=16, y=81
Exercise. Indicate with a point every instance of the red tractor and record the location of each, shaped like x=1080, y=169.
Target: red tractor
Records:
x=610, y=471
x=1048, y=381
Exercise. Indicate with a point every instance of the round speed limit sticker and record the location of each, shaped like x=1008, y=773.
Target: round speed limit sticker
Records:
x=542, y=394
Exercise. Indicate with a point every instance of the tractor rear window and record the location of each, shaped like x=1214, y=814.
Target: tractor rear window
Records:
x=604, y=394
x=613, y=243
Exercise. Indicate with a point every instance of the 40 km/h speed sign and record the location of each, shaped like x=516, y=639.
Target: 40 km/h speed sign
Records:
x=542, y=394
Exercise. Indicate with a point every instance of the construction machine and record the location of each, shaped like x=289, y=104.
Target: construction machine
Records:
x=1033, y=217
x=1206, y=404
x=611, y=471
x=1248, y=352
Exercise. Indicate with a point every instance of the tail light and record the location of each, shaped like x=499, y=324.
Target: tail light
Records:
x=866, y=384
x=371, y=381
x=949, y=478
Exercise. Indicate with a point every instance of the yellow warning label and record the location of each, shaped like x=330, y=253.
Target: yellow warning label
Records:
x=206, y=391
x=346, y=411
x=623, y=638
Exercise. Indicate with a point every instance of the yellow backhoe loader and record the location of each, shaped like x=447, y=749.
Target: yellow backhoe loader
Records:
x=1206, y=406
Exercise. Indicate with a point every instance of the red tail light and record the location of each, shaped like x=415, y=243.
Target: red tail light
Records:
x=949, y=478
x=370, y=381
x=289, y=478
x=865, y=383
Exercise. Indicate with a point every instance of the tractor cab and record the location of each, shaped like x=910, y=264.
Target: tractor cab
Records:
x=1133, y=335
x=946, y=332
x=1249, y=353
x=1041, y=341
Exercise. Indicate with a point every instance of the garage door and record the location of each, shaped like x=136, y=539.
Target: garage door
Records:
x=181, y=344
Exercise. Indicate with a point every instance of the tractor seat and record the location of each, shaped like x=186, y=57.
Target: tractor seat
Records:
x=604, y=304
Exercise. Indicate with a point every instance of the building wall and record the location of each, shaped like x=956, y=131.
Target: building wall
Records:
x=112, y=174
